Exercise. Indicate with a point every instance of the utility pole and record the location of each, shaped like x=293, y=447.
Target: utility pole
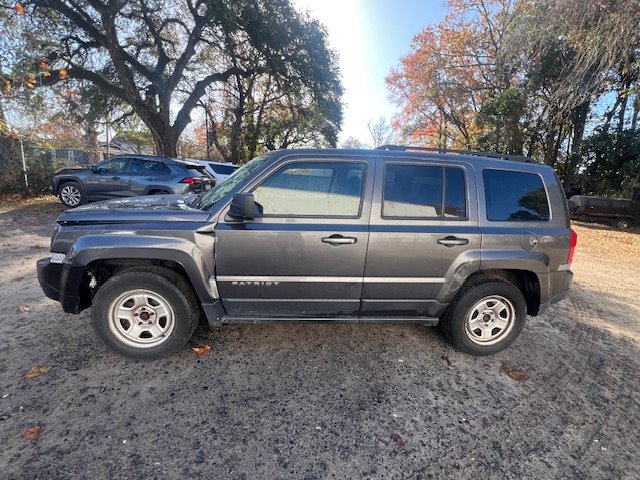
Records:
x=107, y=133
x=206, y=129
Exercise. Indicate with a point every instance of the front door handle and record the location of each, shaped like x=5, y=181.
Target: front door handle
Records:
x=452, y=241
x=339, y=240
x=115, y=178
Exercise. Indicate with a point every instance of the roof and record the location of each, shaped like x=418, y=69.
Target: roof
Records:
x=445, y=155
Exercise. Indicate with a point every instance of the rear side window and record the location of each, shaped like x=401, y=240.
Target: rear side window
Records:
x=222, y=169
x=313, y=189
x=422, y=191
x=198, y=171
x=515, y=197
x=148, y=167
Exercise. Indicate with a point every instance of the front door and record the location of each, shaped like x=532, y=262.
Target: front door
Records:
x=424, y=237
x=304, y=253
x=105, y=181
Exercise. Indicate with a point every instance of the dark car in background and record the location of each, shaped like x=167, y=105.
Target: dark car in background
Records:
x=129, y=176
x=618, y=212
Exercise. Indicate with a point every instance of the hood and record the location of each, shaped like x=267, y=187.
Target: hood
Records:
x=155, y=208
x=71, y=170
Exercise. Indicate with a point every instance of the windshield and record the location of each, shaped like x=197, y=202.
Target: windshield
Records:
x=206, y=200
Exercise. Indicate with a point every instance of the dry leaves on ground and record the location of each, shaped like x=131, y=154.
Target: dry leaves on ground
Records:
x=32, y=433
x=608, y=242
x=23, y=309
x=399, y=441
x=34, y=372
x=515, y=373
x=202, y=350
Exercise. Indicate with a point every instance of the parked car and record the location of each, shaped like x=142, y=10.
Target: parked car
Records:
x=466, y=241
x=219, y=170
x=619, y=213
x=128, y=176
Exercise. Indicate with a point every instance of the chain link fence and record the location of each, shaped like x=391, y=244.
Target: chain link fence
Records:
x=26, y=164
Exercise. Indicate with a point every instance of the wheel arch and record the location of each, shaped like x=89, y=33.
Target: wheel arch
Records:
x=526, y=281
x=102, y=256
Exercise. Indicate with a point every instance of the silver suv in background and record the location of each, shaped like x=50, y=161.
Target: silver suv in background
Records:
x=219, y=170
x=469, y=242
x=128, y=176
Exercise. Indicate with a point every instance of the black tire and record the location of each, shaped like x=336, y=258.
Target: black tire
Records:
x=71, y=194
x=467, y=339
x=160, y=192
x=620, y=224
x=119, y=334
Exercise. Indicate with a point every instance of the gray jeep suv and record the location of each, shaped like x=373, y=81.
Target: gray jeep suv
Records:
x=128, y=176
x=463, y=240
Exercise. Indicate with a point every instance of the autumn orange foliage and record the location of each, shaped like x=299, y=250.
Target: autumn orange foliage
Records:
x=443, y=82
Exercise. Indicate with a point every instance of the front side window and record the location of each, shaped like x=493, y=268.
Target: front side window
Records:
x=117, y=165
x=515, y=196
x=422, y=191
x=330, y=189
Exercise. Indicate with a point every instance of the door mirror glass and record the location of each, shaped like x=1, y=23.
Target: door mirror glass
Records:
x=243, y=206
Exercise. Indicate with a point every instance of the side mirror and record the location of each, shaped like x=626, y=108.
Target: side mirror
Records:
x=243, y=207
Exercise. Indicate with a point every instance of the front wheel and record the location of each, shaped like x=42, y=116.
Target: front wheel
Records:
x=71, y=195
x=144, y=315
x=485, y=318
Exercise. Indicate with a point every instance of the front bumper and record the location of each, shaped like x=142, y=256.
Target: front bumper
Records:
x=63, y=283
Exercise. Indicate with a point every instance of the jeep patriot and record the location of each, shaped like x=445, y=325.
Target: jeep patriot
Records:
x=468, y=241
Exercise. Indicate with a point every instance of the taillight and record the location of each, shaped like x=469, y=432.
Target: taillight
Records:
x=188, y=180
x=572, y=248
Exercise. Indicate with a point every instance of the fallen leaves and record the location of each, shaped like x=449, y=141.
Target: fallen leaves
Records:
x=19, y=9
x=446, y=359
x=34, y=372
x=32, y=433
x=515, y=373
x=399, y=441
x=202, y=350
x=23, y=309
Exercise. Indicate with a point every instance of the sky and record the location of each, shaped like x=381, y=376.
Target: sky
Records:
x=370, y=36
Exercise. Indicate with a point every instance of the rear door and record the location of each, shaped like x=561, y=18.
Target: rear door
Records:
x=144, y=174
x=424, y=233
x=304, y=254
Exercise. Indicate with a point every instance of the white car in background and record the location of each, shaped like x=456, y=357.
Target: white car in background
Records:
x=219, y=170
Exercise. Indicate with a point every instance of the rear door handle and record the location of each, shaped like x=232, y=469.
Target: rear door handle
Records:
x=452, y=241
x=339, y=240
x=115, y=178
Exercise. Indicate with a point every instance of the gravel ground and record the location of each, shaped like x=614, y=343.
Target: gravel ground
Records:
x=323, y=401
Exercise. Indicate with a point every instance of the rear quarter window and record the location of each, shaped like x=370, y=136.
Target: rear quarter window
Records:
x=515, y=197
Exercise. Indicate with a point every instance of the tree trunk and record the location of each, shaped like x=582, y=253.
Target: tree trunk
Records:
x=165, y=139
x=636, y=111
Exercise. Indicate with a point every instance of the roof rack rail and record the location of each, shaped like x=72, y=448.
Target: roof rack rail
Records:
x=502, y=156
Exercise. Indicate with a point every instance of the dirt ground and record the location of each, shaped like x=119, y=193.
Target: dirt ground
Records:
x=323, y=401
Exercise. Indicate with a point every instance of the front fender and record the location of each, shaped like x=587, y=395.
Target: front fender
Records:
x=187, y=254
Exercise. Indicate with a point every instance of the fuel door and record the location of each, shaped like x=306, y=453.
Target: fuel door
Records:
x=529, y=241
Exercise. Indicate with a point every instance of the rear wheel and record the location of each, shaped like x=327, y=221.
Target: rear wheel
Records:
x=621, y=224
x=71, y=194
x=485, y=318
x=144, y=315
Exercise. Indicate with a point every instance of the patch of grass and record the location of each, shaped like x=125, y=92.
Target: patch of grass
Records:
x=42, y=203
